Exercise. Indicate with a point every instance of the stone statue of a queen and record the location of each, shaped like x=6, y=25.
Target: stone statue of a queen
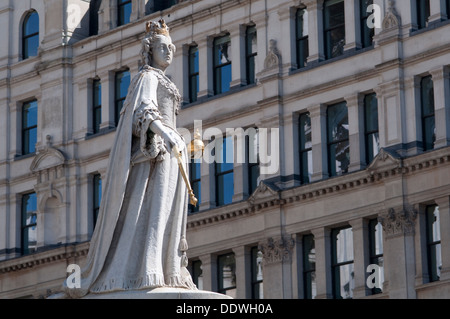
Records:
x=139, y=239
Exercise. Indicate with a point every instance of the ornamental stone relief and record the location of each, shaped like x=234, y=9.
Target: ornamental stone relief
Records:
x=398, y=222
x=277, y=250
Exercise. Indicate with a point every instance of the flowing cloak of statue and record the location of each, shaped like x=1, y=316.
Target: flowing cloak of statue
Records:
x=138, y=241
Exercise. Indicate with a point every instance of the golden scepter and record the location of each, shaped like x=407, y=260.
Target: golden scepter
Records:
x=195, y=146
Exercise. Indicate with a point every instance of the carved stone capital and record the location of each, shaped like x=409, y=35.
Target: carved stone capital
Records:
x=392, y=19
x=277, y=250
x=398, y=222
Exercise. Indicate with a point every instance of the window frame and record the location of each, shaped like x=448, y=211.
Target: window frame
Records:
x=219, y=66
x=304, y=164
x=256, y=283
x=121, y=10
x=195, y=181
x=24, y=235
x=119, y=99
x=28, y=147
x=335, y=265
x=430, y=242
x=367, y=33
x=427, y=145
x=423, y=13
x=252, y=165
x=194, y=72
x=219, y=172
x=301, y=41
x=250, y=56
x=25, y=37
x=96, y=107
x=330, y=144
x=96, y=196
x=327, y=30
x=368, y=133
x=374, y=257
x=308, y=271
x=220, y=282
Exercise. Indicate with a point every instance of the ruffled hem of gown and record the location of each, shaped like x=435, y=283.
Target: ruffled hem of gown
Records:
x=148, y=281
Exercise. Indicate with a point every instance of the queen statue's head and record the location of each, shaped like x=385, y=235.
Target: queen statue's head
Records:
x=157, y=47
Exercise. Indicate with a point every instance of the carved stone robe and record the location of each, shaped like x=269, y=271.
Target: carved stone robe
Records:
x=139, y=239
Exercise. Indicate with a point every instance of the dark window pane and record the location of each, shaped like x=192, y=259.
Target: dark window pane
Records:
x=31, y=24
x=334, y=22
x=30, y=114
x=29, y=222
x=302, y=37
x=334, y=13
x=344, y=281
x=121, y=88
x=124, y=12
x=337, y=122
x=339, y=147
x=193, y=73
x=306, y=164
x=29, y=127
x=97, y=105
x=343, y=269
x=31, y=45
x=97, y=183
x=223, y=79
x=222, y=64
x=371, y=112
x=423, y=13
x=257, y=274
x=428, y=118
x=367, y=33
x=227, y=274
x=309, y=267
x=225, y=189
x=251, y=52
x=434, y=242
x=371, y=127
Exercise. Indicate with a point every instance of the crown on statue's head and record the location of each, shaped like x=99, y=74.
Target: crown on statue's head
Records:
x=155, y=28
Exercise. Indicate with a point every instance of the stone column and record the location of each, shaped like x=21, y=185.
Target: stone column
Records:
x=286, y=17
x=243, y=272
x=315, y=26
x=322, y=238
x=318, y=115
x=441, y=85
x=277, y=272
x=205, y=47
x=209, y=271
x=356, y=132
x=237, y=37
x=398, y=227
x=444, y=215
x=361, y=255
x=351, y=22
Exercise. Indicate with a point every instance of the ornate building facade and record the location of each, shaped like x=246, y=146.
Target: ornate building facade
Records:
x=349, y=196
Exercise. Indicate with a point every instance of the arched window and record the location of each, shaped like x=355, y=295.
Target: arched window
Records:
x=30, y=35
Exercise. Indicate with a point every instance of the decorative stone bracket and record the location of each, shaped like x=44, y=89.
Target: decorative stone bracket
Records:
x=277, y=250
x=398, y=222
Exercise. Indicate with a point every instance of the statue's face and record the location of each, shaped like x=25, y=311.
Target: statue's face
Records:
x=162, y=52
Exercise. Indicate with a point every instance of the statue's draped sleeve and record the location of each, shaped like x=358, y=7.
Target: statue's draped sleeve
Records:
x=151, y=144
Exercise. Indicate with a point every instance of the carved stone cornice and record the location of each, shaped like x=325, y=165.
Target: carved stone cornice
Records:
x=398, y=222
x=277, y=250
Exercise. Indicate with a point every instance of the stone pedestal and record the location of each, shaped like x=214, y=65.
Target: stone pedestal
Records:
x=155, y=293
